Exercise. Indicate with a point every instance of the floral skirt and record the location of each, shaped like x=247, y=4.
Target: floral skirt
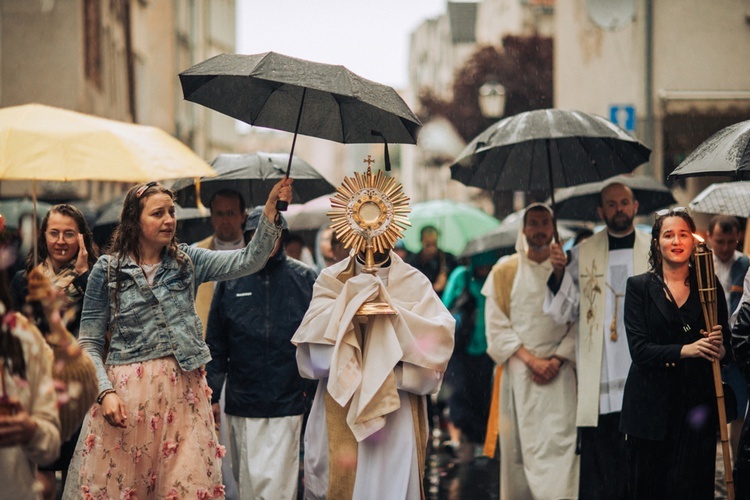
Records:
x=169, y=448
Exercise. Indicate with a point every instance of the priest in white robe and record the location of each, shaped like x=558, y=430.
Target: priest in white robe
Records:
x=367, y=431
x=538, y=387
x=591, y=296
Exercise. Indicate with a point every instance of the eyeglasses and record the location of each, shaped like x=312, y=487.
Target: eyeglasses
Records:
x=143, y=188
x=67, y=236
x=669, y=211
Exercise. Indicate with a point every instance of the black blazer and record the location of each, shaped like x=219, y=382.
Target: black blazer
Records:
x=655, y=338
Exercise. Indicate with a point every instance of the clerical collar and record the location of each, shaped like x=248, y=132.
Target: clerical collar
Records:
x=621, y=242
x=228, y=245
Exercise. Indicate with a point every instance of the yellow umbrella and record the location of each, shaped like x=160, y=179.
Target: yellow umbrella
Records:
x=39, y=142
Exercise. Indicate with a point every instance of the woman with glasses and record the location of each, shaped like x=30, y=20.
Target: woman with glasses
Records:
x=152, y=433
x=669, y=411
x=65, y=255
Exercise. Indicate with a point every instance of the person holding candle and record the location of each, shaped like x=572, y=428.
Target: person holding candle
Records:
x=669, y=410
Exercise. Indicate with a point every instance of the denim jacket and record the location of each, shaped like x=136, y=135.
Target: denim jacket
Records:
x=160, y=320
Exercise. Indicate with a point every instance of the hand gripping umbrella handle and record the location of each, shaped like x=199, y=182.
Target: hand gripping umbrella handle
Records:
x=282, y=205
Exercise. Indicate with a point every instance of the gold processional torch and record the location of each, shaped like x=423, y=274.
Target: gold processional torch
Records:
x=704, y=267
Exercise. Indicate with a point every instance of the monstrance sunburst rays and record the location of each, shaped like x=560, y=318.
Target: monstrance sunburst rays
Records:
x=369, y=207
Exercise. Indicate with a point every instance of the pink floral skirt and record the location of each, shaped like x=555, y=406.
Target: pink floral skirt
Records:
x=169, y=448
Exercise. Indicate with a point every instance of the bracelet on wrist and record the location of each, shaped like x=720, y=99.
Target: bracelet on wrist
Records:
x=103, y=394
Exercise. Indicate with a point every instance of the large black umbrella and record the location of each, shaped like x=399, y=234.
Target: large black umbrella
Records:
x=727, y=152
x=285, y=93
x=253, y=175
x=546, y=149
x=580, y=202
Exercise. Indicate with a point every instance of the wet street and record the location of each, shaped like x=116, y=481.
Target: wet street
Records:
x=479, y=478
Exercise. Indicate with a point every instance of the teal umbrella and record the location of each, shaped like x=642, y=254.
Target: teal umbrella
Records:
x=14, y=210
x=458, y=223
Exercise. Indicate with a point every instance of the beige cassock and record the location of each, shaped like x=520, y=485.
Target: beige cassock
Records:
x=537, y=422
x=368, y=416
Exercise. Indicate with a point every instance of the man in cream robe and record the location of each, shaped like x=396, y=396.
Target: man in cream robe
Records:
x=537, y=389
x=591, y=296
x=367, y=430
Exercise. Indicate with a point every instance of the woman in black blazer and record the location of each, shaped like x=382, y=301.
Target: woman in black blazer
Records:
x=669, y=410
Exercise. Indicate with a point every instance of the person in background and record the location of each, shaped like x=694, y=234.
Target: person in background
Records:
x=589, y=294
x=469, y=375
x=538, y=385
x=731, y=268
x=66, y=254
x=152, y=433
x=401, y=251
x=228, y=214
x=29, y=420
x=250, y=326
x=296, y=248
x=741, y=349
x=669, y=410
x=431, y=261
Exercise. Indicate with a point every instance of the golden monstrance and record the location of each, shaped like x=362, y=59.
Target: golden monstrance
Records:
x=369, y=213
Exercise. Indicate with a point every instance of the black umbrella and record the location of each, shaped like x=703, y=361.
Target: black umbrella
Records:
x=285, y=93
x=253, y=175
x=502, y=239
x=727, y=152
x=580, y=202
x=545, y=149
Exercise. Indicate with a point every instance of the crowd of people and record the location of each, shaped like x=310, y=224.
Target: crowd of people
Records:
x=223, y=364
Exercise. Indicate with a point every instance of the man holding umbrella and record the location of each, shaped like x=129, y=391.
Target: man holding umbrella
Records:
x=589, y=293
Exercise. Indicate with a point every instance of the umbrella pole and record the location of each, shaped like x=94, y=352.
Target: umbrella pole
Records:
x=552, y=190
x=281, y=205
x=34, y=236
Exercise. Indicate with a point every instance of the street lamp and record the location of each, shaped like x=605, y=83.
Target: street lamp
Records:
x=492, y=99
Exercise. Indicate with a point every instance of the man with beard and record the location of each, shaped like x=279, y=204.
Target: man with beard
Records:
x=591, y=292
x=538, y=387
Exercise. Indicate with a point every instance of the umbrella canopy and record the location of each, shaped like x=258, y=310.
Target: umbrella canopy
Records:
x=727, y=198
x=580, y=202
x=457, y=223
x=502, y=239
x=253, y=175
x=545, y=149
x=727, y=152
x=16, y=209
x=48, y=143
x=310, y=215
x=314, y=99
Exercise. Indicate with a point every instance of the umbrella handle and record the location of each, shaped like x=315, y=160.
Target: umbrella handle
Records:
x=281, y=205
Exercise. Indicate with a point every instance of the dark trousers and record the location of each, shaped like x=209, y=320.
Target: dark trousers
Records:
x=604, y=470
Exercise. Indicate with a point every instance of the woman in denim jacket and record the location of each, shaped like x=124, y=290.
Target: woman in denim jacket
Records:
x=152, y=434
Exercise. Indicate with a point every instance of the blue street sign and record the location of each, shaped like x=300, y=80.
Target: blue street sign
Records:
x=623, y=115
